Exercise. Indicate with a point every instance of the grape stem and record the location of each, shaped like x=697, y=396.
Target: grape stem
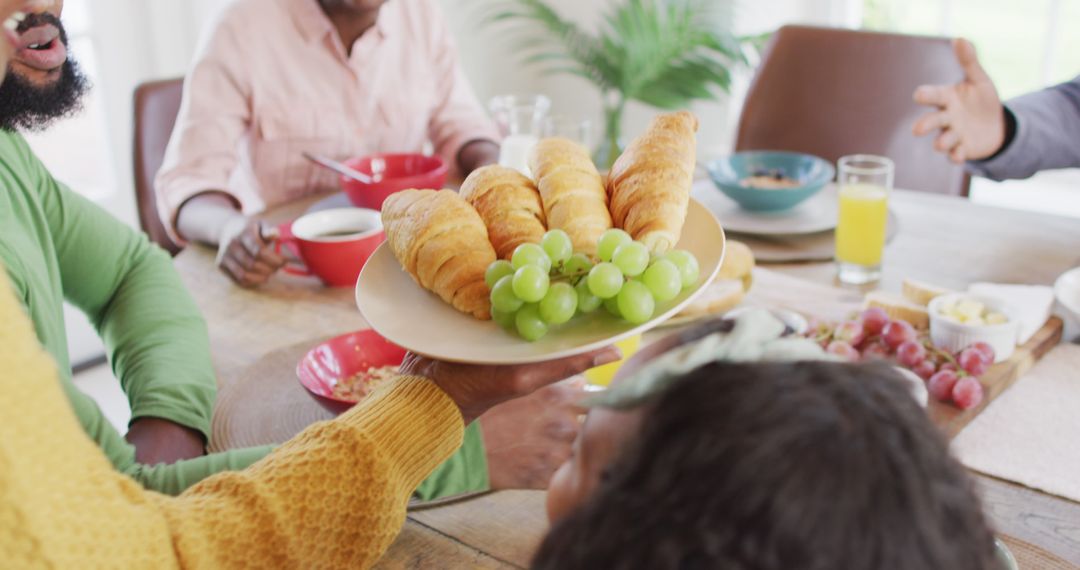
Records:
x=947, y=356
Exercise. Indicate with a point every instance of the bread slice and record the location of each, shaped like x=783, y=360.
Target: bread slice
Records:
x=921, y=293
x=719, y=297
x=738, y=263
x=899, y=308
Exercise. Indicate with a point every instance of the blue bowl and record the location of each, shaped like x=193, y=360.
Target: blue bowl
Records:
x=811, y=172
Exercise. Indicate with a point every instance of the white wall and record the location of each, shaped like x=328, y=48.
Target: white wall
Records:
x=494, y=68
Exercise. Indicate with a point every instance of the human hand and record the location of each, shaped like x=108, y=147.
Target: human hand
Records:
x=527, y=439
x=476, y=154
x=477, y=388
x=161, y=441
x=245, y=255
x=969, y=117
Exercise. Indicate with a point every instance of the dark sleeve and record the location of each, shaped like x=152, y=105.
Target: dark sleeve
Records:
x=1046, y=134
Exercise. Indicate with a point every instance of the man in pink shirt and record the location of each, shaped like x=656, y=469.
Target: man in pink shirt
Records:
x=340, y=78
x=276, y=78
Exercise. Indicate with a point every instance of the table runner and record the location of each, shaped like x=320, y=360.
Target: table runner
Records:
x=1030, y=433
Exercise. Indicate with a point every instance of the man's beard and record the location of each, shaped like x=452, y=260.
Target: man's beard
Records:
x=29, y=107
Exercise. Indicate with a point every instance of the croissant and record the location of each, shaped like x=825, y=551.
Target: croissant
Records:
x=440, y=240
x=649, y=184
x=571, y=190
x=509, y=204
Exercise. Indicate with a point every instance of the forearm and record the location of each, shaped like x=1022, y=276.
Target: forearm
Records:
x=1047, y=135
x=203, y=217
x=475, y=154
x=353, y=475
x=158, y=440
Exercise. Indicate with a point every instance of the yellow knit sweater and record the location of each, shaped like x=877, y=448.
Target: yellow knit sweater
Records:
x=333, y=497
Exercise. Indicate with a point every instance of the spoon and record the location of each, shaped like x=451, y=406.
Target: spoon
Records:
x=339, y=168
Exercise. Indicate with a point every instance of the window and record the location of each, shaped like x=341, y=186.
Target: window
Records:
x=1019, y=41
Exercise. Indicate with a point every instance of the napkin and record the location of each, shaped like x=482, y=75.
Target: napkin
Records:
x=1032, y=304
x=1028, y=434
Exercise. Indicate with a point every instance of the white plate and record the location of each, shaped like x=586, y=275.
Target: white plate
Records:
x=1067, y=291
x=411, y=317
x=817, y=214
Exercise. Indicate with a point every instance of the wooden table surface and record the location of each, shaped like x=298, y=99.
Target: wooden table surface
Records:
x=943, y=240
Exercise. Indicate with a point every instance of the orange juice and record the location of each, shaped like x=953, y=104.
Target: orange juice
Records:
x=860, y=231
x=602, y=375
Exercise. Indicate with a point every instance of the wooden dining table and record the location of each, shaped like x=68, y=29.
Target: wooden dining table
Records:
x=944, y=240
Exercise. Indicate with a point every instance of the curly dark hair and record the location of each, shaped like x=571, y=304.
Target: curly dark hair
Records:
x=779, y=466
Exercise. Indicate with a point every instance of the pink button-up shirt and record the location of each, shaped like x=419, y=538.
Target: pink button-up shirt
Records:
x=274, y=79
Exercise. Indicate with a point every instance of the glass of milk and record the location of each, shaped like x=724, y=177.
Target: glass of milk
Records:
x=521, y=121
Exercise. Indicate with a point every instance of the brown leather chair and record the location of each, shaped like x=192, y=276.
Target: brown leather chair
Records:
x=156, y=105
x=832, y=92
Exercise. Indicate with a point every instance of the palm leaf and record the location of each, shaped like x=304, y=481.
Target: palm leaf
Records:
x=664, y=53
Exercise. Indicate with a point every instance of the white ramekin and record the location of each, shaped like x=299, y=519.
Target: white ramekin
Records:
x=950, y=335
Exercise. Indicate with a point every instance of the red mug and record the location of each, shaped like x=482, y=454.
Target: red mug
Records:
x=332, y=245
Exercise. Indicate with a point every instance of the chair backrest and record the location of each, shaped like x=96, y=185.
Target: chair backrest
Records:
x=156, y=105
x=832, y=92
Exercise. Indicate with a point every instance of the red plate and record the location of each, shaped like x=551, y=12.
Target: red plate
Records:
x=341, y=357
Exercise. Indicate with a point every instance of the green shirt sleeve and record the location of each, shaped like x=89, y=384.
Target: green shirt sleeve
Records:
x=464, y=472
x=176, y=478
x=156, y=339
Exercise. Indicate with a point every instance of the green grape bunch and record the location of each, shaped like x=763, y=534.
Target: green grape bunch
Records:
x=548, y=284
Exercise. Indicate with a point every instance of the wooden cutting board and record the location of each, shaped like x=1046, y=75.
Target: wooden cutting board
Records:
x=998, y=378
x=774, y=289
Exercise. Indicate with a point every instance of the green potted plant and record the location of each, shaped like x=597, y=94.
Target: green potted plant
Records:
x=664, y=53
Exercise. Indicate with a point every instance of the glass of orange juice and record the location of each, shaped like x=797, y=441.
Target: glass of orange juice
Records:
x=601, y=376
x=865, y=182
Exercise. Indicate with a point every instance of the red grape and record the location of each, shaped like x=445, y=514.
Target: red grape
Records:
x=843, y=350
x=941, y=385
x=972, y=361
x=967, y=393
x=874, y=320
x=950, y=366
x=986, y=350
x=924, y=369
x=875, y=349
x=897, y=332
x=911, y=353
x=850, y=332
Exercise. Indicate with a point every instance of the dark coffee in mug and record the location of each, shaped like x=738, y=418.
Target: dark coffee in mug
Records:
x=348, y=232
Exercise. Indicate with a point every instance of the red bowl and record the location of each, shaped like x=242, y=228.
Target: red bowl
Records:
x=392, y=173
x=341, y=357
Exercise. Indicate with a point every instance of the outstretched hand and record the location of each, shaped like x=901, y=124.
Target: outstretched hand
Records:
x=969, y=119
x=476, y=388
